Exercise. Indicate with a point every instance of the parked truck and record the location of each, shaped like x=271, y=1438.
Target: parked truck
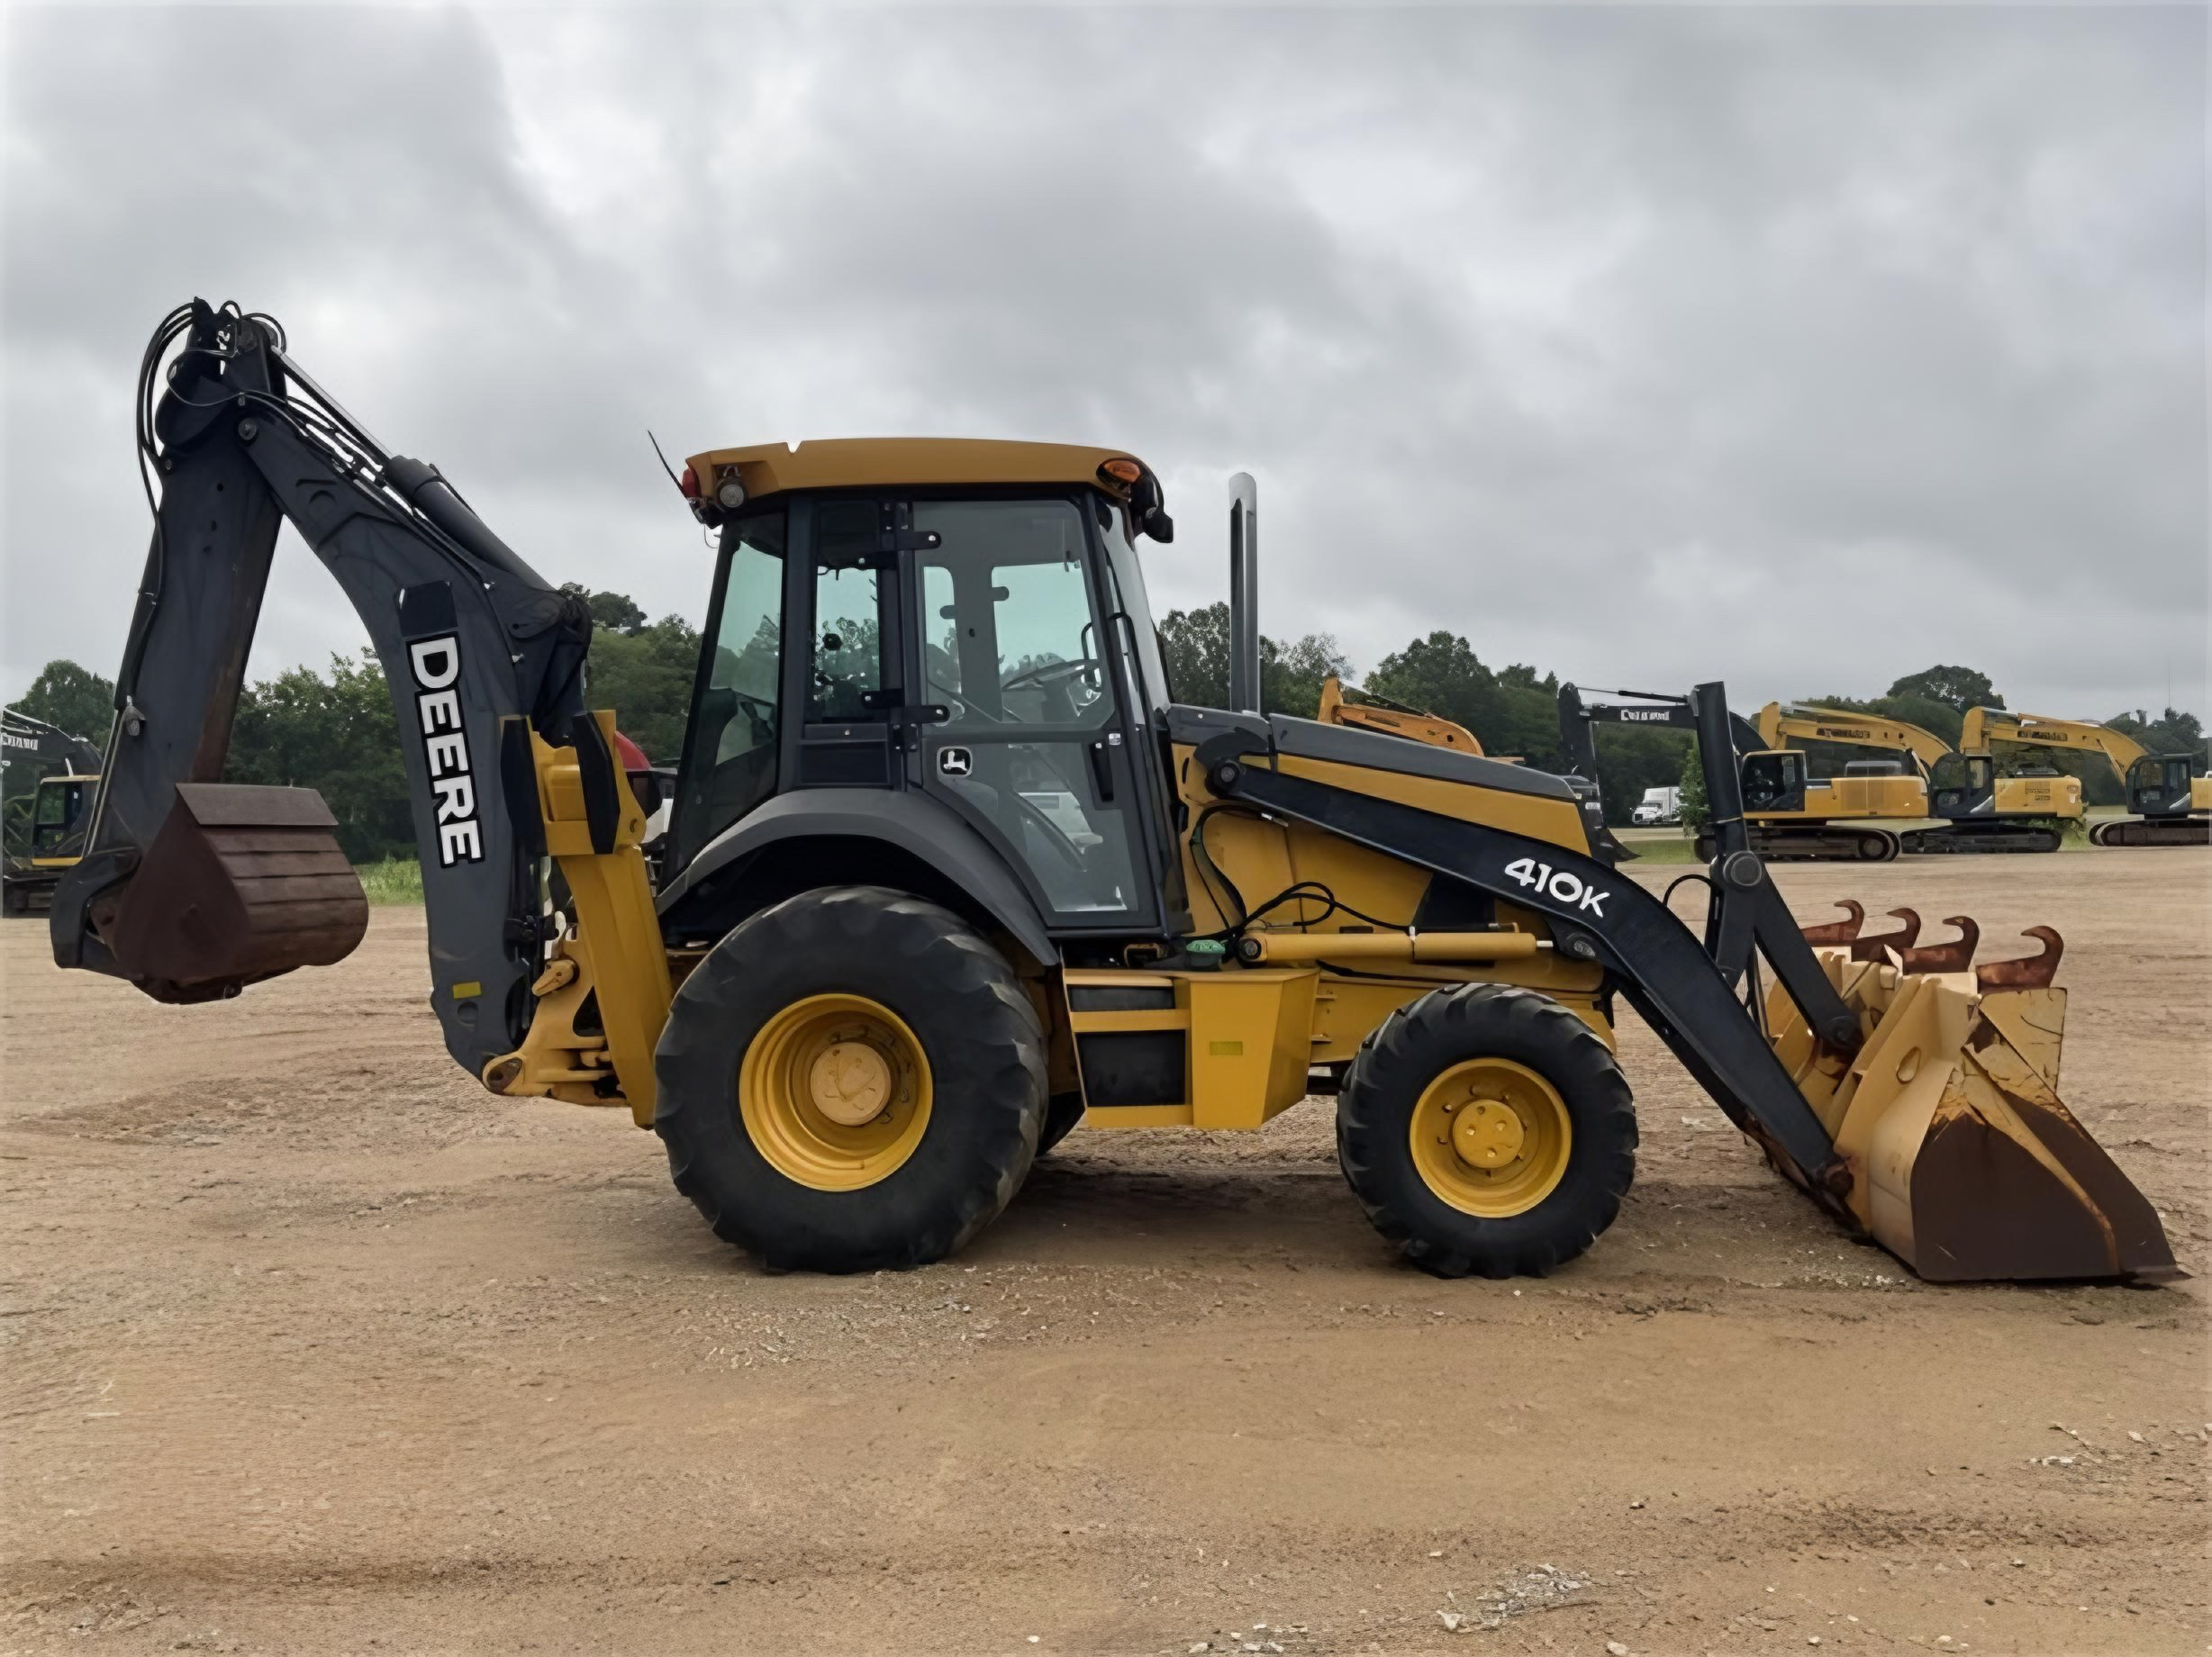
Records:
x=1659, y=808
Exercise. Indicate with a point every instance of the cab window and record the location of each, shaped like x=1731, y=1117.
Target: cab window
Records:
x=730, y=757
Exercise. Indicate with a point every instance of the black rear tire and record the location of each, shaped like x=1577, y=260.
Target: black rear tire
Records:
x=1420, y=1042
x=963, y=1003
x=1062, y=1112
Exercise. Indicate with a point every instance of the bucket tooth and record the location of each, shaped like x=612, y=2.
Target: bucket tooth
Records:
x=1955, y=957
x=2027, y=971
x=1864, y=948
x=1838, y=931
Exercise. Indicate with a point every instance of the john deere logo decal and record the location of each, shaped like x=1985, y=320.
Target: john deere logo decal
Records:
x=955, y=762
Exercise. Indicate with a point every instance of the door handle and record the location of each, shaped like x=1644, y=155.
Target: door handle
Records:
x=1101, y=773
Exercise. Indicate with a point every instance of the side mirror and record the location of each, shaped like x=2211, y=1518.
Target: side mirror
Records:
x=1159, y=526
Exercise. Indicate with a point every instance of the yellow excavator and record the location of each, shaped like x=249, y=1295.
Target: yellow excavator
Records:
x=60, y=806
x=1980, y=811
x=950, y=874
x=2170, y=793
x=1364, y=711
x=1790, y=814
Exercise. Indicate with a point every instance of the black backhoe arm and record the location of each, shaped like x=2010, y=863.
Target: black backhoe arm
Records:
x=479, y=650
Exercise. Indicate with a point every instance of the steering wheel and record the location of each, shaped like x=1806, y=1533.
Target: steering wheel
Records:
x=1048, y=673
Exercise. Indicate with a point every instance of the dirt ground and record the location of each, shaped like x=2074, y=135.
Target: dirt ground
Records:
x=314, y=1345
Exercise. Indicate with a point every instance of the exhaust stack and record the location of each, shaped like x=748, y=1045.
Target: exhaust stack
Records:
x=1244, y=598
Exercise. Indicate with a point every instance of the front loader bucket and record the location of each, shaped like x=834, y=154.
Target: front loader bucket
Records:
x=1965, y=1164
x=241, y=883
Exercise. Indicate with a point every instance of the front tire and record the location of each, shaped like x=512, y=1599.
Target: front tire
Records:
x=1486, y=1129
x=852, y=1079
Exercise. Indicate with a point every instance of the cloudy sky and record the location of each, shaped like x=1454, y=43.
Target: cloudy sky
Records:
x=1801, y=348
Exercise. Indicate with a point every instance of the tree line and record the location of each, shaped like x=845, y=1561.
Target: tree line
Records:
x=334, y=731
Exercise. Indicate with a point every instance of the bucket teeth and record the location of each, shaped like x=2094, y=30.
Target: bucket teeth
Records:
x=1873, y=948
x=1955, y=957
x=1838, y=931
x=2028, y=971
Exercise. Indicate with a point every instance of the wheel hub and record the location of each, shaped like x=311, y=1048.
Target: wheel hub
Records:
x=1487, y=1133
x=849, y=1083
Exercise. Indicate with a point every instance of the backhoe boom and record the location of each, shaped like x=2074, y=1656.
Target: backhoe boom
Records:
x=479, y=650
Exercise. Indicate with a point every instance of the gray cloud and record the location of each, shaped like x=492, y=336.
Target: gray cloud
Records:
x=1804, y=348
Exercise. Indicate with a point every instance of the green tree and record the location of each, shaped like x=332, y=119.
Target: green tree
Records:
x=1513, y=715
x=76, y=699
x=337, y=736
x=1194, y=649
x=612, y=613
x=2173, y=732
x=1957, y=688
x=1697, y=807
x=1633, y=758
x=645, y=674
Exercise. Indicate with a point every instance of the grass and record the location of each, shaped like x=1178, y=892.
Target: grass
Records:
x=396, y=880
x=1665, y=849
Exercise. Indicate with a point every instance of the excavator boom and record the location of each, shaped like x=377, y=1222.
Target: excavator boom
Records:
x=1779, y=723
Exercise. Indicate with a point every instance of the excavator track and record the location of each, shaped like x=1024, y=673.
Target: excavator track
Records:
x=1817, y=843
x=2151, y=832
x=1961, y=838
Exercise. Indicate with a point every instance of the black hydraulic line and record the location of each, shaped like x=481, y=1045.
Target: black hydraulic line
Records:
x=1602, y=917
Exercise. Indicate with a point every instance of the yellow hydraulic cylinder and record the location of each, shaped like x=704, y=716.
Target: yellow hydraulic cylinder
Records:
x=1295, y=948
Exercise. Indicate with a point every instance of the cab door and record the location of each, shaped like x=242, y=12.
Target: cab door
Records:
x=1033, y=747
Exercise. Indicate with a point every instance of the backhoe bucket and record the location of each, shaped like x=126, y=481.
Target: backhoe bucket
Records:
x=241, y=883
x=1965, y=1164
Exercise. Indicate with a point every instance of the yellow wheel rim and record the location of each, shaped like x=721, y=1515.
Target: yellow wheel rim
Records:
x=835, y=1092
x=1491, y=1138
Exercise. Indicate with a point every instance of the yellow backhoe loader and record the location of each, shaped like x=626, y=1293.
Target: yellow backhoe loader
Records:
x=2170, y=793
x=948, y=872
x=1982, y=811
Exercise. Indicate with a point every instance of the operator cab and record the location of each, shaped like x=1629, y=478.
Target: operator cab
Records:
x=959, y=656
x=58, y=817
x=1959, y=784
x=2158, y=785
x=1774, y=781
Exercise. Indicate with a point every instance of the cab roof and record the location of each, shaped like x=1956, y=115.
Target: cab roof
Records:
x=858, y=463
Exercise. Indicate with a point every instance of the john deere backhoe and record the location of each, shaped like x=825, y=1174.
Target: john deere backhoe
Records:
x=950, y=869
x=53, y=831
x=2170, y=793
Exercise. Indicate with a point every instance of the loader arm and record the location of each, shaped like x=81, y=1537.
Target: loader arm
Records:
x=1689, y=994
x=1779, y=722
x=484, y=657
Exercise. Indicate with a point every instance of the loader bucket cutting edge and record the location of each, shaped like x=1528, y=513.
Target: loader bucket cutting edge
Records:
x=1965, y=1163
x=239, y=885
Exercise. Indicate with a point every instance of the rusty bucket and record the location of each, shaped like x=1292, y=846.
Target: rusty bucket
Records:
x=1965, y=1164
x=241, y=883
